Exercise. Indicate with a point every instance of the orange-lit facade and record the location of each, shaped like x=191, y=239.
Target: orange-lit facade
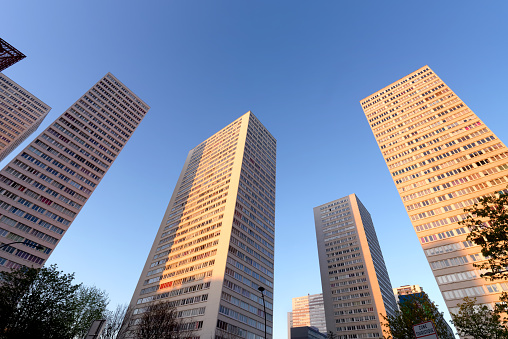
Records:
x=215, y=245
x=442, y=158
x=21, y=113
x=309, y=311
x=45, y=186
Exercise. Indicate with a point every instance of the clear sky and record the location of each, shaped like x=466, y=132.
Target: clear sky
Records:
x=301, y=66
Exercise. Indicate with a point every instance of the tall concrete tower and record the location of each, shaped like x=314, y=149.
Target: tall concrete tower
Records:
x=356, y=285
x=214, y=247
x=442, y=158
x=21, y=113
x=45, y=186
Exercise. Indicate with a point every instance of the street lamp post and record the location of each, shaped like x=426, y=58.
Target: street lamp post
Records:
x=262, y=289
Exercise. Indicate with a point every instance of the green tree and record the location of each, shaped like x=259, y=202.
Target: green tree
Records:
x=160, y=321
x=115, y=327
x=488, y=222
x=43, y=303
x=416, y=309
x=478, y=321
x=91, y=305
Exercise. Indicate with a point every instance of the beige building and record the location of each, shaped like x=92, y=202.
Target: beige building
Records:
x=406, y=290
x=214, y=247
x=21, y=113
x=356, y=286
x=45, y=186
x=308, y=310
x=442, y=157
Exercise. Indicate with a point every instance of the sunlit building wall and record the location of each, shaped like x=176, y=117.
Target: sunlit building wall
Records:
x=46, y=185
x=356, y=285
x=215, y=245
x=442, y=158
x=21, y=113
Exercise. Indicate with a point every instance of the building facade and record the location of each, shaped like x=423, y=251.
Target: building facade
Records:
x=402, y=292
x=45, y=186
x=356, y=285
x=21, y=113
x=215, y=245
x=442, y=158
x=306, y=332
x=309, y=311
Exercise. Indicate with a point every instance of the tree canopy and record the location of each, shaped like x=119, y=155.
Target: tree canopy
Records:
x=44, y=303
x=478, y=321
x=488, y=222
x=415, y=309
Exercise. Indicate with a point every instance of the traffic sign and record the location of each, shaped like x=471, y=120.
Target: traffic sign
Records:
x=425, y=330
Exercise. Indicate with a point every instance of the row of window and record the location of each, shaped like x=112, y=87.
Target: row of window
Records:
x=430, y=160
x=455, y=151
x=176, y=292
x=456, y=261
x=192, y=278
x=244, y=319
x=414, y=149
x=247, y=294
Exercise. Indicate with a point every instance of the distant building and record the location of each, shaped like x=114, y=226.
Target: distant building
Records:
x=290, y=323
x=442, y=159
x=356, y=286
x=8, y=55
x=21, y=113
x=45, y=186
x=405, y=293
x=306, y=332
x=308, y=310
x=402, y=293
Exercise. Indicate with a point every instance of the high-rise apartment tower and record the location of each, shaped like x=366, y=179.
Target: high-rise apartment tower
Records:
x=442, y=158
x=21, y=113
x=308, y=310
x=356, y=286
x=45, y=186
x=214, y=247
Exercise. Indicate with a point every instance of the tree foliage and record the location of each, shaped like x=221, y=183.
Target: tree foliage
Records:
x=115, y=327
x=159, y=321
x=488, y=221
x=43, y=303
x=415, y=310
x=478, y=321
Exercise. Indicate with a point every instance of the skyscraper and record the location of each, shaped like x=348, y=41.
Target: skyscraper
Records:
x=308, y=310
x=214, y=247
x=45, y=186
x=442, y=158
x=356, y=286
x=21, y=113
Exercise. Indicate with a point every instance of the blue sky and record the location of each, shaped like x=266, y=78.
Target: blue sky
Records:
x=302, y=67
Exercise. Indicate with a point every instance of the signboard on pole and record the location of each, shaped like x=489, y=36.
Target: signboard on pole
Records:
x=425, y=330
